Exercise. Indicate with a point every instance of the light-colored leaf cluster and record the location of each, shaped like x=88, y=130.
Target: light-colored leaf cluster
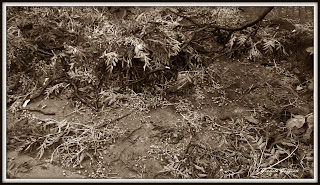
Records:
x=55, y=89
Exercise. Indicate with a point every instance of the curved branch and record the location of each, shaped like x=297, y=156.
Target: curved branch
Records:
x=213, y=25
x=262, y=16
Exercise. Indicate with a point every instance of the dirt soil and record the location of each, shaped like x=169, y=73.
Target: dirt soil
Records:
x=148, y=143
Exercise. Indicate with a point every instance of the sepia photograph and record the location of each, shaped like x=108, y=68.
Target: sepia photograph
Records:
x=159, y=92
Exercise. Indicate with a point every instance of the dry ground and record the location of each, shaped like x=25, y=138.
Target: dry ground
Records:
x=230, y=124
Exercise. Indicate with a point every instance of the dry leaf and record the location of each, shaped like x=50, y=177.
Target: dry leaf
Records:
x=299, y=88
x=82, y=156
x=202, y=175
x=310, y=50
x=309, y=158
x=26, y=103
x=296, y=121
x=262, y=145
x=260, y=141
x=199, y=168
x=112, y=101
x=273, y=150
x=251, y=119
x=310, y=119
x=310, y=86
x=288, y=144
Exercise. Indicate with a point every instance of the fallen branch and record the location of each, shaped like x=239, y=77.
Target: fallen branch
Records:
x=216, y=27
x=37, y=94
x=51, y=80
x=252, y=23
x=114, y=120
x=39, y=110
